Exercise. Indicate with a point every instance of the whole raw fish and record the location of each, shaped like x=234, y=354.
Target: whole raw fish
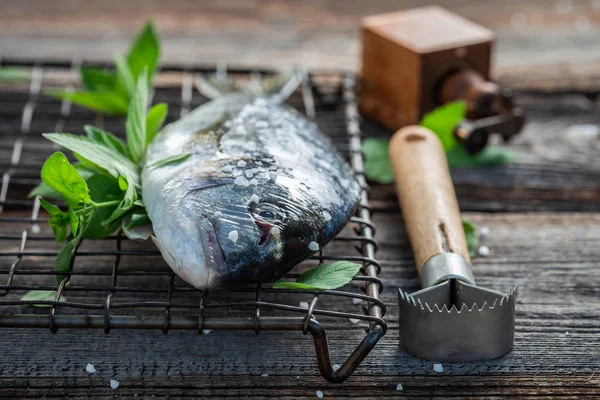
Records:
x=257, y=189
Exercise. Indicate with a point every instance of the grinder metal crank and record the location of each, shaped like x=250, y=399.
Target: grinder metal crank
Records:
x=419, y=59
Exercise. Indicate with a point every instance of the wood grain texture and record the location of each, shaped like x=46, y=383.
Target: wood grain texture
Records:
x=552, y=257
x=426, y=195
x=542, y=45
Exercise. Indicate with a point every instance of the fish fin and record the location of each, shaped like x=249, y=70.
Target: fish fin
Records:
x=212, y=134
x=277, y=88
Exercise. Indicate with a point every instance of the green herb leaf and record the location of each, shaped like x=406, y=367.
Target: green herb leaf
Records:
x=442, y=121
x=46, y=191
x=137, y=226
x=126, y=206
x=114, y=162
x=65, y=257
x=125, y=84
x=144, y=53
x=377, y=166
x=471, y=235
x=42, y=295
x=60, y=175
x=13, y=74
x=123, y=184
x=137, y=219
x=176, y=159
x=75, y=220
x=58, y=220
x=155, y=120
x=105, y=138
x=325, y=276
x=96, y=79
x=458, y=157
x=107, y=102
x=107, y=195
x=136, y=120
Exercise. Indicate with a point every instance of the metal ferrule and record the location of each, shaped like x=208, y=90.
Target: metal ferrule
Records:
x=446, y=266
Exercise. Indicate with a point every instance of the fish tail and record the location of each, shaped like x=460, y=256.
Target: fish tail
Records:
x=277, y=87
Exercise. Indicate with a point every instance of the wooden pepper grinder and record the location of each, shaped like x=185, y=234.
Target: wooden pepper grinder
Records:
x=416, y=60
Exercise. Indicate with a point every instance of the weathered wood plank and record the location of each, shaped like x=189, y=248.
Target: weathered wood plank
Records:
x=557, y=169
x=552, y=257
x=535, y=47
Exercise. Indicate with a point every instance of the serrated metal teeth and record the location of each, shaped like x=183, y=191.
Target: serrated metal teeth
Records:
x=499, y=302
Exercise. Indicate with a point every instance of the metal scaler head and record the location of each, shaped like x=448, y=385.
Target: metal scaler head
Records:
x=451, y=319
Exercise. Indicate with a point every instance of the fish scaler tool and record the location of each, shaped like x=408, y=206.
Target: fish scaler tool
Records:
x=450, y=319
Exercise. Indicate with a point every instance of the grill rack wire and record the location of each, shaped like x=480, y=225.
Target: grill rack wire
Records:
x=172, y=313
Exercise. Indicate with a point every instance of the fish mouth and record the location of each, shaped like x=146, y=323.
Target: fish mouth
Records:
x=266, y=232
x=213, y=253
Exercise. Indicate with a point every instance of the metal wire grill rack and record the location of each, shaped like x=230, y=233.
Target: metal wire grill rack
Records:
x=117, y=283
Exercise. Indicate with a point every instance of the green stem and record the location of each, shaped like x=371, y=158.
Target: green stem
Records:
x=106, y=203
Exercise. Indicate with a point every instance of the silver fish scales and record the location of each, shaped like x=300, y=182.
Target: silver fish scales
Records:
x=260, y=190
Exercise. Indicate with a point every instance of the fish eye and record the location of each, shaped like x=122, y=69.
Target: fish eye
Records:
x=268, y=212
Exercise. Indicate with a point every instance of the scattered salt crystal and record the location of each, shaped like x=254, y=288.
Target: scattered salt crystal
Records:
x=345, y=183
x=275, y=230
x=206, y=331
x=254, y=199
x=336, y=367
x=241, y=181
x=227, y=123
x=248, y=174
x=314, y=246
x=483, y=251
x=484, y=232
x=304, y=305
x=356, y=301
x=114, y=384
x=264, y=375
x=35, y=228
x=218, y=214
x=579, y=132
x=354, y=321
x=261, y=124
x=237, y=172
x=227, y=168
x=241, y=163
x=399, y=387
x=326, y=216
x=90, y=369
x=233, y=236
x=241, y=130
x=253, y=181
x=319, y=394
x=437, y=367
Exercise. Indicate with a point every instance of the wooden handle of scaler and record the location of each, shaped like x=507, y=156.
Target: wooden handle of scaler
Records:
x=426, y=195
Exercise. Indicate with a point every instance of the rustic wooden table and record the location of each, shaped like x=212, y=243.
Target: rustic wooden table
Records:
x=543, y=213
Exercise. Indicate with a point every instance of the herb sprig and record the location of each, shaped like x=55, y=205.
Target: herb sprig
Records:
x=110, y=92
x=441, y=121
x=325, y=276
x=102, y=190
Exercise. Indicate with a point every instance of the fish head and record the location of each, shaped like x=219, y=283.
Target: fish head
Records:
x=256, y=230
